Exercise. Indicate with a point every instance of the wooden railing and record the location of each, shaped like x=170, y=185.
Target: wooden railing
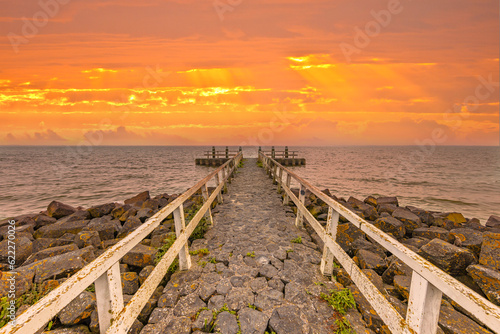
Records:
x=284, y=154
x=114, y=317
x=428, y=282
x=220, y=153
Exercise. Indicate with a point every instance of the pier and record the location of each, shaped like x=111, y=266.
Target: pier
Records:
x=216, y=157
x=266, y=263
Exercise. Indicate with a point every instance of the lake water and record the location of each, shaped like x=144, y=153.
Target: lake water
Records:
x=463, y=179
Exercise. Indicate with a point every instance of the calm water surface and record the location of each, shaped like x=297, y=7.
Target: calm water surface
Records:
x=464, y=179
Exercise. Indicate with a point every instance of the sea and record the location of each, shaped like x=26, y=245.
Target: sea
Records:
x=448, y=178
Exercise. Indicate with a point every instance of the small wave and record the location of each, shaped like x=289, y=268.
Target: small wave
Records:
x=443, y=200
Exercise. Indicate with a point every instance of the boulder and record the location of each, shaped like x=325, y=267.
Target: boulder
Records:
x=371, y=201
x=226, y=323
x=490, y=251
x=392, y=226
x=44, y=243
x=78, y=309
x=268, y=299
x=21, y=230
x=375, y=279
x=80, y=329
x=58, y=210
x=131, y=224
x=144, y=273
x=493, y=221
x=188, y=306
x=140, y=256
x=402, y=284
x=129, y=213
x=488, y=280
x=387, y=208
x=141, y=197
x=373, y=247
x=410, y=220
x=43, y=220
x=424, y=215
x=58, y=229
x=78, y=215
x=151, y=203
x=396, y=267
x=203, y=322
x=370, y=316
x=454, y=322
x=144, y=214
x=346, y=234
x=50, y=252
x=88, y=238
x=288, y=320
x=252, y=321
x=120, y=210
x=455, y=217
x=452, y=259
x=387, y=200
x=101, y=210
x=433, y=232
x=23, y=249
x=106, y=230
x=468, y=238
x=415, y=242
x=130, y=282
x=15, y=282
x=370, y=260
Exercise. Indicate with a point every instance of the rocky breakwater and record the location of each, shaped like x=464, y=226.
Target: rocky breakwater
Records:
x=462, y=247
x=53, y=245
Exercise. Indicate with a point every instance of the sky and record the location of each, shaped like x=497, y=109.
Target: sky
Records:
x=241, y=72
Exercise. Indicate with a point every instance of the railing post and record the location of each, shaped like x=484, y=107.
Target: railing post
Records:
x=272, y=152
x=108, y=291
x=227, y=152
x=224, y=187
x=286, y=151
x=208, y=214
x=219, y=194
x=280, y=178
x=302, y=197
x=332, y=223
x=213, y=152
x=286, y=200
x=180, y=226
x=423, y=305
x=275, y=172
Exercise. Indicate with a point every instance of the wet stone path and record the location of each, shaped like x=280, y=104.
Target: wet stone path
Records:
x=254, y=279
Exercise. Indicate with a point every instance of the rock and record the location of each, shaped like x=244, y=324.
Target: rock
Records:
x=226, y=323
x=101, y=210
x=129, y=213
x=416, y=242
x=432, y=233
x=239, y=298
x=160, y=314
x=268, y=299
x=188, y=306
x=452, y=259
x=130, y=224
x=387, y=208
x=425, y=216
x=136, y=327
x=216, y=302
x=453, y=322
x=362, y=243
x=252, y=321
x=21, y=230
x=144, y=273
x=141, y=197
x=396, y=267
x=59, y=229
x=50, y=252
x=140, y=256
x=88, y=238
x=107, y=230
x=203, y=322
x=78, y=309
x=346, y=234
x=22, y=283
x=370, y=260
x=387, y=200
x=490, y=251
x=455, y=217
x=58, y=210
x=276, y=284
x=375, y=279
x=258, y=284
x=391, y=226
x=43, y=220
x=118, y=211
x=80, y=329
x=402, y=284
x=371, y=201
x=493, y=221
x=268, y=271
x=130, y=282
x=169, y=298
x=342, y=276
x=288, y=320
x=23, y=249
x=144, y=214
x=60, y=266
x=488, y=280
x=410, y=220
x=469, y=238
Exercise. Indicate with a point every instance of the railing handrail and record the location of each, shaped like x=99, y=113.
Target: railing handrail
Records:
x=106, y=264
x=484, y=310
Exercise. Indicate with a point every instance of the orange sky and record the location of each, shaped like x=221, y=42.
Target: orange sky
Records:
x=242, y=72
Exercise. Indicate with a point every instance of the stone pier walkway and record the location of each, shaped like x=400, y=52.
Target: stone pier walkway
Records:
x=254, y=279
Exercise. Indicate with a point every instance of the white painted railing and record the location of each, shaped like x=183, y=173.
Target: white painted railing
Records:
x=428, y=282
x=114, y=317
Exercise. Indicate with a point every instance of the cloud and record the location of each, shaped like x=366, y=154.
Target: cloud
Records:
x=122, y=136
x=48, y=137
